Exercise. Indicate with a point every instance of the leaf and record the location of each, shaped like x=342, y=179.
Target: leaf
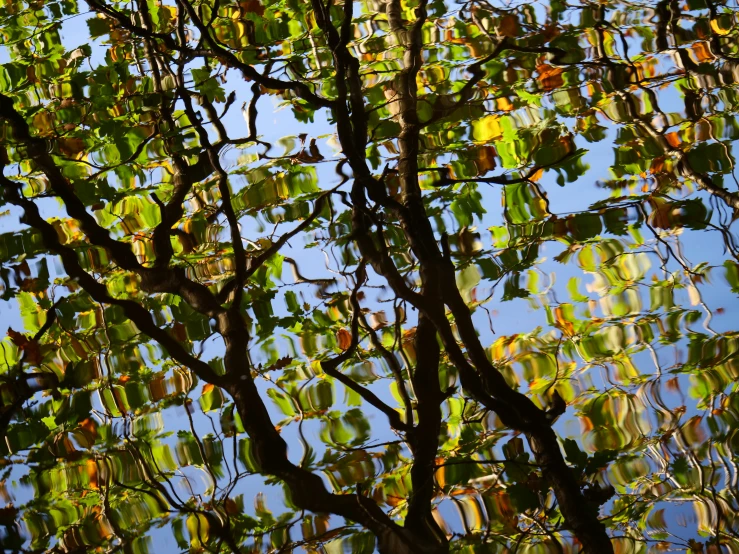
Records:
x=679, y=466
x=211, y=398
x=281, y=363
x=30, y=347
x=615, y=290
x=487, y=129
x=344, y=338
x=600, y=460
x=574, y=455
x=19, y=339
x=508, y=26
x=523, y=497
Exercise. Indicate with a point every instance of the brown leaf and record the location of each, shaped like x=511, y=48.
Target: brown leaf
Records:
x=78, y=348
x=157, y=389
x=550, y=31
x=486, y=159
x=32, y=285
x=508, y=26
x=231, y=507
x=282, y=363
x=71, y=147
x=30, y=347
x=19, y=339
x=252, y=6
x=179, y=332
x=8, y=515
x=345, y=339
x=378, y=320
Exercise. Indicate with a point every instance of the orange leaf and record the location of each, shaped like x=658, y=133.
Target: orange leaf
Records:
x=702, y=52
x=89, y=426
x=345, y=339
x=658, y=164
x=550, y=77
x=504, y=104
x=562, y=322
x=536, y=176
x=673, y=139
x=92, y=473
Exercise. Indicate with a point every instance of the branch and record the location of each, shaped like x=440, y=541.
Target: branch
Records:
x=485, y=462
x=255, y=263
x=98, y=291
x=395, y=368
x=425, y=439
x=251, y=74
x=38, y=152
x=330, y=367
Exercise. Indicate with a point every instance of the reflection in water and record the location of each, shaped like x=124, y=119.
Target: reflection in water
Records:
x=354, y=323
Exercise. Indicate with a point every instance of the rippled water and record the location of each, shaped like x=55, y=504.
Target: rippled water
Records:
x=576, y=163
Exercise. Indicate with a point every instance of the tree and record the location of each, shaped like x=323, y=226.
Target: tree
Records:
x=162, y=339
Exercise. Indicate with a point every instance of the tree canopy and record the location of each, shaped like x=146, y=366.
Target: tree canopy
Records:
x=407, y=276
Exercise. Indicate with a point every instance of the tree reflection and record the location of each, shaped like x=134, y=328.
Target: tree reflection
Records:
x=162, y=371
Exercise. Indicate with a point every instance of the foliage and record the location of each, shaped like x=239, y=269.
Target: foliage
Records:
x=470, y=290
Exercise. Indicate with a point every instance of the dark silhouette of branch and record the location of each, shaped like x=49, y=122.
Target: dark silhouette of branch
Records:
x=424, y=442
x=484, y=381
x=394, y=366
x=216, y=51
x=330, y=367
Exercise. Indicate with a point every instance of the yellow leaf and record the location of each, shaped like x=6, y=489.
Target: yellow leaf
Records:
x=43, y=123
x=487, y=128
x=717, y=28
